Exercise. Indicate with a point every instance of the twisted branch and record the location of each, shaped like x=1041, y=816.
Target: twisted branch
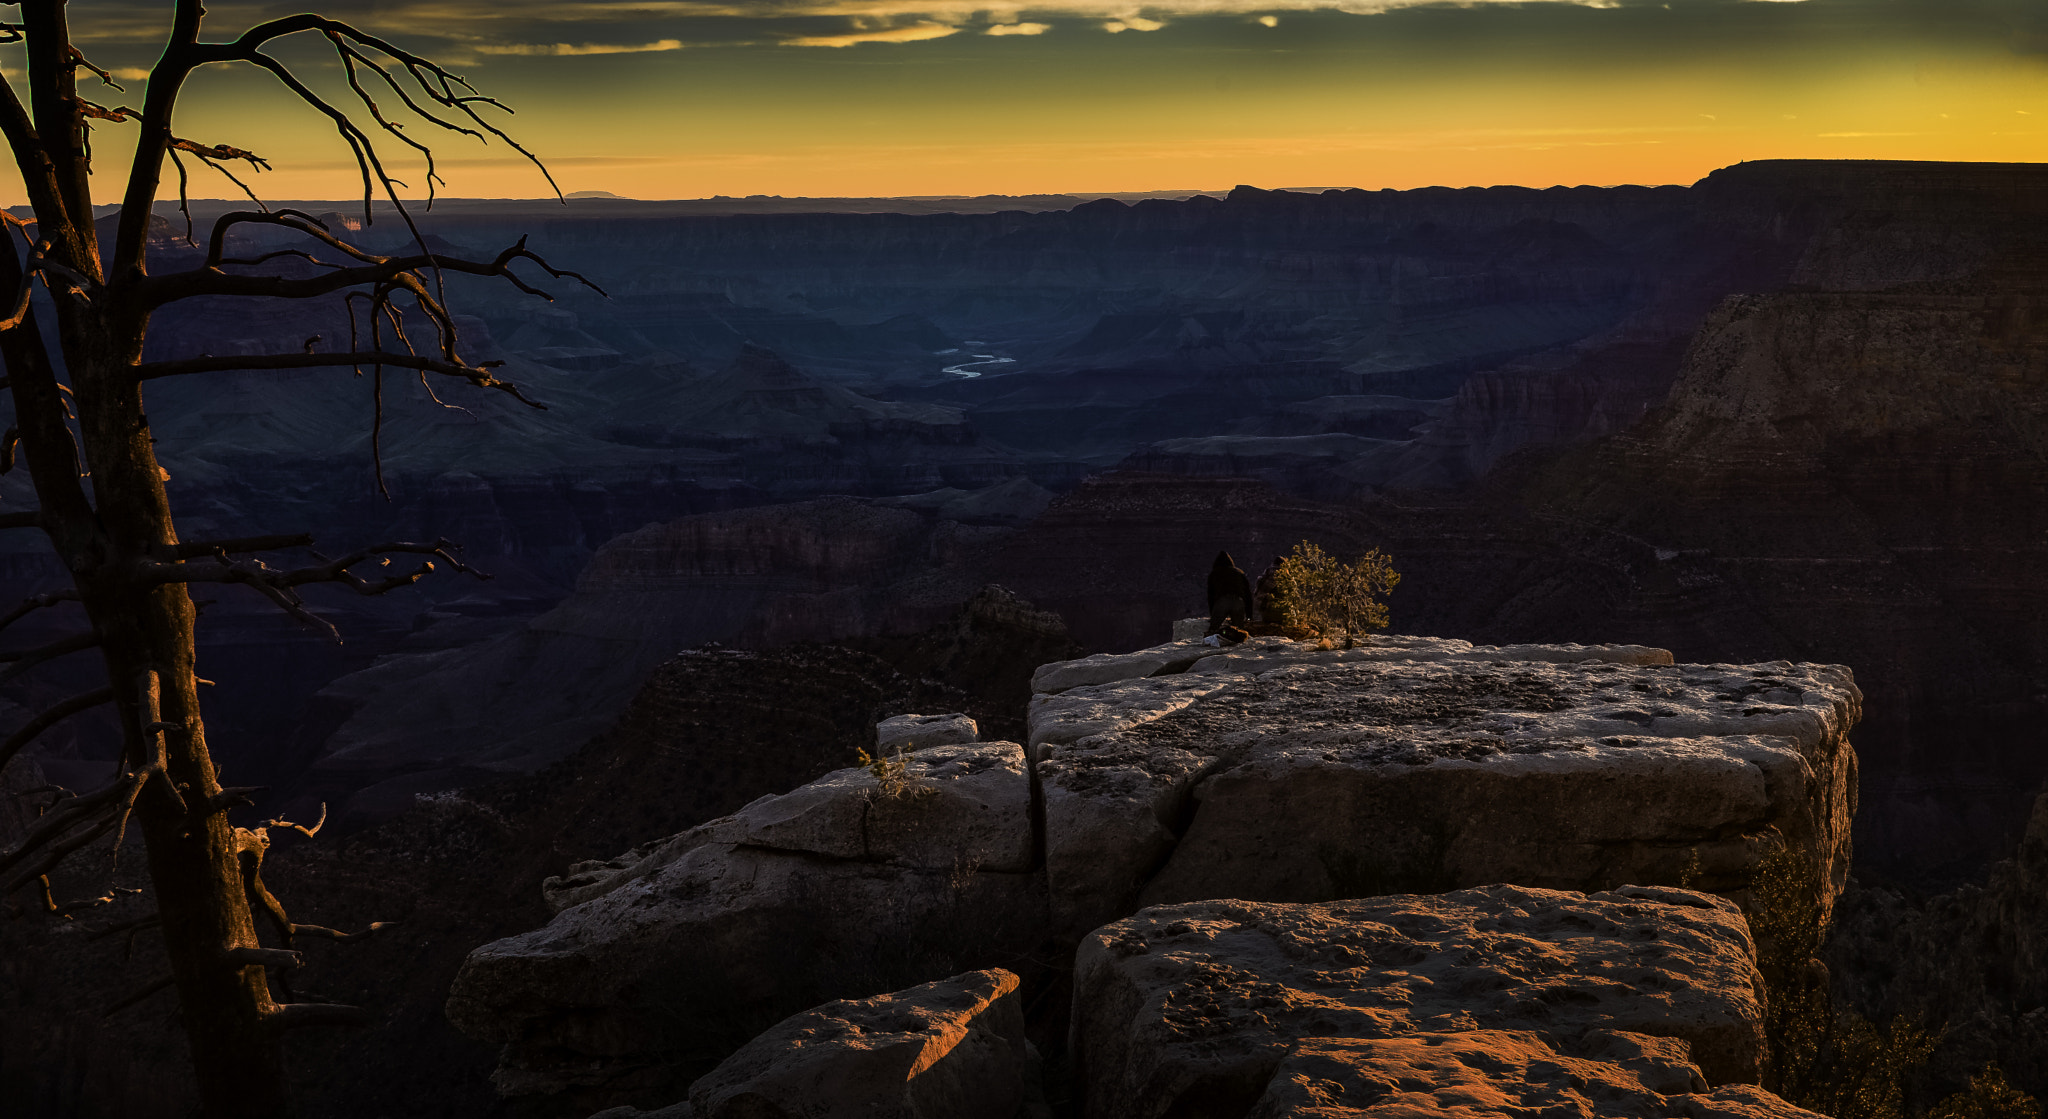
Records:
x=277, y=584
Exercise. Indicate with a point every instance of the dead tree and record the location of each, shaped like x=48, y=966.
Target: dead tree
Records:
x=85, y=441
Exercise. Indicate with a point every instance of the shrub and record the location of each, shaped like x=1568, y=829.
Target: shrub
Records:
x=1989, y=1096
x=1822, y=1057
x=1316, y=590
x=894, y=776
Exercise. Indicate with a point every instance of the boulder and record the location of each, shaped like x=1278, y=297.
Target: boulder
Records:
x=1608, y=1074
x=916, y=732
x=670, y=957
x=953, y=1049
x=1217, y=1001
x=1415, y=765
x=965, y=806
x=1102, y=668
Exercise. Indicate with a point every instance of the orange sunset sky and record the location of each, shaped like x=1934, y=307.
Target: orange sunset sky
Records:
x=691, y=98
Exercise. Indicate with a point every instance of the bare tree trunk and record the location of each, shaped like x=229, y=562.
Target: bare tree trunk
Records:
x=147, y=643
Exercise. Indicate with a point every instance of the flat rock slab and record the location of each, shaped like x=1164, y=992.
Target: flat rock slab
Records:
x=1210, y=1000
x=962, y=808
x=916, y=732
x=953, y=1049
x=1185, y=652
x=679, y=952
x=1507, y=1074
x=1289, y=773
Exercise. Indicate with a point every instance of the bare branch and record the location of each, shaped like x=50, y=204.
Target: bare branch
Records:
x=234, y=797
x=478, y=375
x=26, y=518
x=56, y=853
x=276, y=584
x=297, y=220
x=49, y=718
x=145, y=172
x=66, y=814
x=308, y=832
x=336, y=934
x=217, y=151
x=281, y=959
x=155, y=291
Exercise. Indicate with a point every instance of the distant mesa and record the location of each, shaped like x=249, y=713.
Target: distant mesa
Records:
x=592, y=194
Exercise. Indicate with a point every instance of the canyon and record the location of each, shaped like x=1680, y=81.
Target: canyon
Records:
x=1794, y=412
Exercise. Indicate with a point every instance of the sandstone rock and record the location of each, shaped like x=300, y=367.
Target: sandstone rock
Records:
x=1208, y=1000
x=1189, y=629
x=1421, y=764
x=1263, y=653
x=963, y=807
x=682, y=950
x=1091, y=710
x=953, y=1049
x=630, y=990
x=1101, y=668
x=915, y=732
x=1607, y=1074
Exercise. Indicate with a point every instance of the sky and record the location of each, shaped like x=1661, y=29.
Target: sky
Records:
x=824, y=98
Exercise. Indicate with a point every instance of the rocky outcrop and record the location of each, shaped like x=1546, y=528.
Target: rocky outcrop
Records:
x=1234, y=1007
x=1610, y=1074
x=958, y=807
x=859, y=882
x=1273, y=771
x=1267, y=771
x=911, y=732
x=953, y=1049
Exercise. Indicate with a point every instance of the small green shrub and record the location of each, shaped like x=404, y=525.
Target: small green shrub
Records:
x=1316, y=590
x=1828, y=1059
x=1990, y=1096
x=894, y=776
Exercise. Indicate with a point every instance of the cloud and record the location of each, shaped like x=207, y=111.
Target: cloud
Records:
x=1018, y=29
x=910, y=33
x=580, y=48
x=1269, y=21
x=1132, y=23
x=129, y=73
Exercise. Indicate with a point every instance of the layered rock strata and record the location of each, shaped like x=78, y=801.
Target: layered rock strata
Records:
x=1229, y=1007
x=1272, y=771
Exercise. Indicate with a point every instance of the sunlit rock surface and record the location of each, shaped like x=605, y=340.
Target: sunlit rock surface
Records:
x=1236, y=1005
x=953, y=1049
x=1607, y=1075
x=1272, y=771
x=912, y=732
x=683, y=949
x=1276, y=771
